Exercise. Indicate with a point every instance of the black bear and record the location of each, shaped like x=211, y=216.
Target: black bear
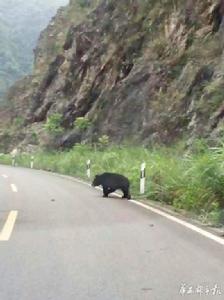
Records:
x=112, y=182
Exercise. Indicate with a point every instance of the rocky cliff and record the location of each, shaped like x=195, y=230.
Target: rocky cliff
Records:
x=149, y=71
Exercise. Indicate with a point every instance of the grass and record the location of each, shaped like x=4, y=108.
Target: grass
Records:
x=193, y=181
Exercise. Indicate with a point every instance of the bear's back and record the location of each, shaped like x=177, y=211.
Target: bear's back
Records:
x=114, y=179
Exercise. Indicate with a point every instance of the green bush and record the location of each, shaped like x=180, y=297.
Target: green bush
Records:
x=84, y=3
x=34, y=138
x=82, y=123
x=18, y=122
x=103, y=141
x=53, y=124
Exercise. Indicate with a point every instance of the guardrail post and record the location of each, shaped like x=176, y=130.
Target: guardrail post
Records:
x=88, y=166
x=32, y=162
x=142, y=179
x=13, y=160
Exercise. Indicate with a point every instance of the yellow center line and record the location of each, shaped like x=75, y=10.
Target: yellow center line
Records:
x=14, y=188
x=8, y=227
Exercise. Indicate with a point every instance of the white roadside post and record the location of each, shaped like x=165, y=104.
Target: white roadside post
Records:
x=142, y=179
x=32, y=162
x=88, y=165
x=14, y=154
x=13, y=160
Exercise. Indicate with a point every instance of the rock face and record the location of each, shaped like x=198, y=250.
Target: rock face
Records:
x=138, y=70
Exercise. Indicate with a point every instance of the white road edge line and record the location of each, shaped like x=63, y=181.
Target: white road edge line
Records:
x=4, y=176
x=14, y=188
x=172, y=218
x=8, y=227
x=161, y=213
x=181, y=222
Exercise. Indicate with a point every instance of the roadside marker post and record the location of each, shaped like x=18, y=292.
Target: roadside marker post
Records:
x=14, y=154
x=88, y=165
x=13, y=160
x=32, y=162
x=142, y=179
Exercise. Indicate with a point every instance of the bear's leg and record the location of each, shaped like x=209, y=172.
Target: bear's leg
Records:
x=126, y=193
x=105, y=192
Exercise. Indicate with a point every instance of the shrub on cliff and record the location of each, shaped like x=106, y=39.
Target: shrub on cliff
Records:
x=53, y=124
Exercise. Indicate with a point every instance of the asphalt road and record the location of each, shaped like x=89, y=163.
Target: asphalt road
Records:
x=68, y=243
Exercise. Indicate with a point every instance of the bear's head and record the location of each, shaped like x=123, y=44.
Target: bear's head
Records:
x=96, y=181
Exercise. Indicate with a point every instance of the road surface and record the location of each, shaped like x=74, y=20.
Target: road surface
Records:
x=61, y=240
